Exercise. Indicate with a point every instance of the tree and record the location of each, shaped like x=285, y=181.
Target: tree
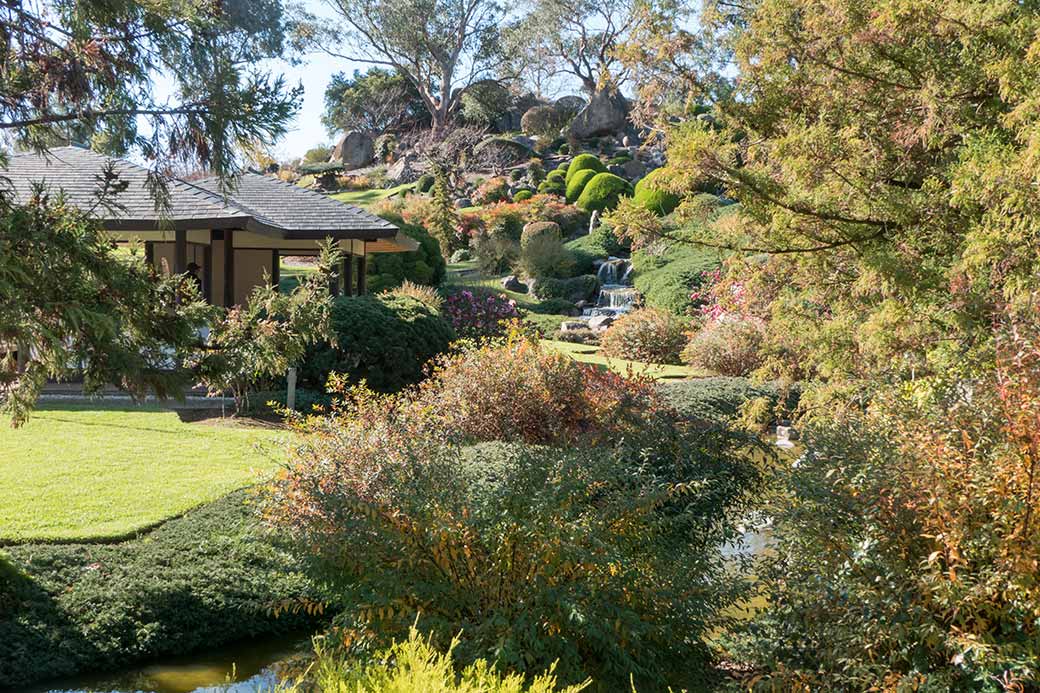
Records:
x=377, y=101
x=441, y=46
x=89, y=69
x=67, y=301
x=881, y=172
x=577, y=38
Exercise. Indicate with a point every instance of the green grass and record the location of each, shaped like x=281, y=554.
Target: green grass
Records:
x=78, y=472
x=369, y=197
x=586, y=353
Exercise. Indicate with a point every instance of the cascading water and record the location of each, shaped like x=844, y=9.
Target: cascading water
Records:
x=616, y=294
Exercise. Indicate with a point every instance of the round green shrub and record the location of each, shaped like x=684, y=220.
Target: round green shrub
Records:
x=564, y=149
x=386, y=340
x=563, y=166
x=660, y=202
x=553, y=187
x=521, y=195
x=584, y=162
x=425, y=183
x=603, y=192
x=557, y=174
x=576, y=184
x=582, y=288
x=423, y=266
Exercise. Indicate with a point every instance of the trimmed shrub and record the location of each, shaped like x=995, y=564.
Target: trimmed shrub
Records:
x=603, y=192
x=576, y=184
x=564, y=149
x=479, y=313
x=200, y=581
x=582, y=288
x=619, y=159
x=727, y=347
x=554, y=187
x=425, y=183
x=584, y=162
x=666, y=279
x=385, y=340
x=557, y=175
x=649, y=335
x=522, y=195
x=535, y=172
x=553, y=306
x=660, y=202
x=718, y=401
x=542, y=253
x=423, y=266
x=516, y=175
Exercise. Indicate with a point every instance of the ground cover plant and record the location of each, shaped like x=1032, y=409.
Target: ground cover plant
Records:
x=197, y=582
x=581, y=528
x=88, y=472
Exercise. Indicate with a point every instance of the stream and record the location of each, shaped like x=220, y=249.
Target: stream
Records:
x=243, y=667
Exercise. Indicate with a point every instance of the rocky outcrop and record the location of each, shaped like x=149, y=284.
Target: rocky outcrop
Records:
x=404, y=170
x=354, y=150
x=605, y=114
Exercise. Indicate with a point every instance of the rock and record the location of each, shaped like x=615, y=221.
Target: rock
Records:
x=508, y=121
x=573, y=325
x=582, y=305
x=633, y=169
x=617, y=170
x=511, y=283
x=404, y=170
x=599, y=323
x=354, y=150
x=626, y=141
x=528, y=142
x=605, y=114
x=463, y=202
x=571, y=105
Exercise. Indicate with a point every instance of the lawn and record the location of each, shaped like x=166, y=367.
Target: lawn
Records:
x=587, y=353
x=371, y=196
x=78, y=472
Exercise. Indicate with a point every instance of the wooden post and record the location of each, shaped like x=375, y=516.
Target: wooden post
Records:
x=207, y=273
x=361, y=279
x=229, y=268
x=290, y=392
x=149, y=254
x=180, y=251
x=348, y=275
x=276, y=268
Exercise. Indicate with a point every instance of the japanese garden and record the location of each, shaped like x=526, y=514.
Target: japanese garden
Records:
x=563, y=345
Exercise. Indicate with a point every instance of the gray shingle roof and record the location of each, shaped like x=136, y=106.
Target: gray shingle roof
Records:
x=257, y=203
x=297, y=210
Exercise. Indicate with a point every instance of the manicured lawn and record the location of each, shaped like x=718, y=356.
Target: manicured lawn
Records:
x=79, y=472
x=591, y=354
x=368, y=197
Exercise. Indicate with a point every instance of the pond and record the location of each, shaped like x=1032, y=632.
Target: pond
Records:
x=245, y=667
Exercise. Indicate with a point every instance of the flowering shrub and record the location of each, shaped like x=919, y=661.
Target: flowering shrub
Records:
x=602, y=558
x=491, y=191
x=479, y=314
x=649, y=335
x=726, y=346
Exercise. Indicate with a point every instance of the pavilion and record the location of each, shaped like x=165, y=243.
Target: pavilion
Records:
x=234, y=239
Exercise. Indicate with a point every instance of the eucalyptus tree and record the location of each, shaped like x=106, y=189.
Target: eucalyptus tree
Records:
x=441, y=46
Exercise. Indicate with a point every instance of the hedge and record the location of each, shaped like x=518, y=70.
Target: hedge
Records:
x=200, y=581
x=582, y=288
x=660, y=202
x=584, y=162
x=717, y=401
x=603, y=192
x=423, y=266
x=576, y=184
x=385, y=340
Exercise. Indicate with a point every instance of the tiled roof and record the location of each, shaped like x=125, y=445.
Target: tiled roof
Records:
x=257, y=203
x=297, y=210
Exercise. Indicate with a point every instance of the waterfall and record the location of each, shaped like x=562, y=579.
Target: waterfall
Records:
x=614, y=271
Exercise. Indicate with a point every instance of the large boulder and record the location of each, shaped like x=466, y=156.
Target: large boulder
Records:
x=512, y=283
x=571, y=105
x=354, y=150
x=404, y=170
x=605, y=114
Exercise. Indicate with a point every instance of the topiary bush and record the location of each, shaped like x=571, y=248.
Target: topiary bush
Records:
x=542, y=253
x=660, y=202
x=522, y=195
x=727, y=346
x=576, y=184
x=584, y=162
x=603, y=192
x=582, y=288
x=425, y=183
x=386, y=340
x=649, y=335
x=423, y=266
